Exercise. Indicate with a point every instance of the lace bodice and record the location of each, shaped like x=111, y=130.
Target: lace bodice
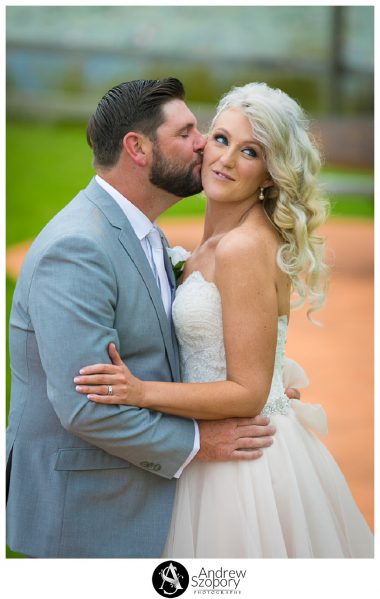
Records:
x=197, y=316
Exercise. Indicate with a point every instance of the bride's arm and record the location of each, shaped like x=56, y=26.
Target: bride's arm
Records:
x=245, y=278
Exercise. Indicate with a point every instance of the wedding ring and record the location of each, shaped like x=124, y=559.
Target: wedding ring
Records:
x=110, y=390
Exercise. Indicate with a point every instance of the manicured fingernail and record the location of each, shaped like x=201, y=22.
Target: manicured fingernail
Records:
x=81, y=371
x=77, y=388
x=76, y=380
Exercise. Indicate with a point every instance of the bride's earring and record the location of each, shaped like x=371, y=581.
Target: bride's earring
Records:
x=261, y=196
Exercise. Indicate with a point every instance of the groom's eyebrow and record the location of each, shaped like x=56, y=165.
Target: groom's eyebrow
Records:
x=186, y=127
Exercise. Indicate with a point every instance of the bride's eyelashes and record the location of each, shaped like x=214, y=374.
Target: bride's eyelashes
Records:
x=250, y=152
x=220, y=138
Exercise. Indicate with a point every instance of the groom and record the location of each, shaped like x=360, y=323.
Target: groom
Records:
x=89, y=480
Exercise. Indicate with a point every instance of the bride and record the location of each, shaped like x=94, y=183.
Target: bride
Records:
x=231, y=315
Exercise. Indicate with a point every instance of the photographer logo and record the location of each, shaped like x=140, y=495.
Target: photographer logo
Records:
x=170, y=579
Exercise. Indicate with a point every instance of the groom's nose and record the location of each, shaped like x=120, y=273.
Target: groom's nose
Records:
x=199, y=142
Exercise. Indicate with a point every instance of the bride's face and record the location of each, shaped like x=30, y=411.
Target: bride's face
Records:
x=233, y=161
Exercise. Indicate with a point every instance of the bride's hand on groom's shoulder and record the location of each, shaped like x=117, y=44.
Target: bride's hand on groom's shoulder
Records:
x=110, y=383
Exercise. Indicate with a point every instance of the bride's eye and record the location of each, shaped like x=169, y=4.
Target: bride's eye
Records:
x=250, y=152
x=221, y=139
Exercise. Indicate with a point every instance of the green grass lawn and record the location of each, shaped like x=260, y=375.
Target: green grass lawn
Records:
x=46, y=166
x=355, y=206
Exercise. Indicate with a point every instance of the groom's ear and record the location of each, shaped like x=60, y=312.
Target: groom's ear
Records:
x=136, y=146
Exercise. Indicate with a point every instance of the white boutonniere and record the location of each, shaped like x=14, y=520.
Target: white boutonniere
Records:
x=178, y=256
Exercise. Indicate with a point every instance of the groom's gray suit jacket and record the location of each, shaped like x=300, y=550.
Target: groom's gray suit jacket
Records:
x=89, y=480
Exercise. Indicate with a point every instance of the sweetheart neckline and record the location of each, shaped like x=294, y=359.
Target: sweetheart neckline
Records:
x=198, y=272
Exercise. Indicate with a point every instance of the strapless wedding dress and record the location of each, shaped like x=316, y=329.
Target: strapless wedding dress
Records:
x=293, y=501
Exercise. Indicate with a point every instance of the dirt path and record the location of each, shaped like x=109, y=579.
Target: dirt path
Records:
x=338, y=357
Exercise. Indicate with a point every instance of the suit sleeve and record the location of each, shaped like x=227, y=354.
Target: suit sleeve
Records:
x=72, y=303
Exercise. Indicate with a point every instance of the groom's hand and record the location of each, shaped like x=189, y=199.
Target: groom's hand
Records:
x=234, y=438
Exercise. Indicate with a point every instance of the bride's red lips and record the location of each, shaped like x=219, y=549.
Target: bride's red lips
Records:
x=223, y=175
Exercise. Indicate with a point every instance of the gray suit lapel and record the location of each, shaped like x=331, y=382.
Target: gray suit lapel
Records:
x=132, y=246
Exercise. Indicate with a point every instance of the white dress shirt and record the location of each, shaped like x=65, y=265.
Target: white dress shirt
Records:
x=142, y=226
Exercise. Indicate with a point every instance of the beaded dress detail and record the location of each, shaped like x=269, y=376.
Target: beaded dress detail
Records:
x=291, y=502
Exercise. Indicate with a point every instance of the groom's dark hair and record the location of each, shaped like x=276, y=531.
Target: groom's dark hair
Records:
x=131, y=106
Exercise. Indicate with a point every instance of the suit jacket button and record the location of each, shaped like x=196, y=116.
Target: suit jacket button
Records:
x=157, y=467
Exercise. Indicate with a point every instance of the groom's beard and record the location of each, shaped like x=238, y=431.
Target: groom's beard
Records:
x=181, y=181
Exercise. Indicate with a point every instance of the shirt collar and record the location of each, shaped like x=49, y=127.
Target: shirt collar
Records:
x=139, y=221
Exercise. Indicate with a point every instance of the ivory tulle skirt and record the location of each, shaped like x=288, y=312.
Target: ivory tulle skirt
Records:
x=293, y=502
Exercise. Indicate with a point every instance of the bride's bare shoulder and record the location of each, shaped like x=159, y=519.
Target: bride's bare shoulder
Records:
x=247, y=243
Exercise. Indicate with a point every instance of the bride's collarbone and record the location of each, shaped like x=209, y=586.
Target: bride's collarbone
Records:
x=203, y=263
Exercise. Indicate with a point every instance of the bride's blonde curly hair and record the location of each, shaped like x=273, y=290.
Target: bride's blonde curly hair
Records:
x=294, y=203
